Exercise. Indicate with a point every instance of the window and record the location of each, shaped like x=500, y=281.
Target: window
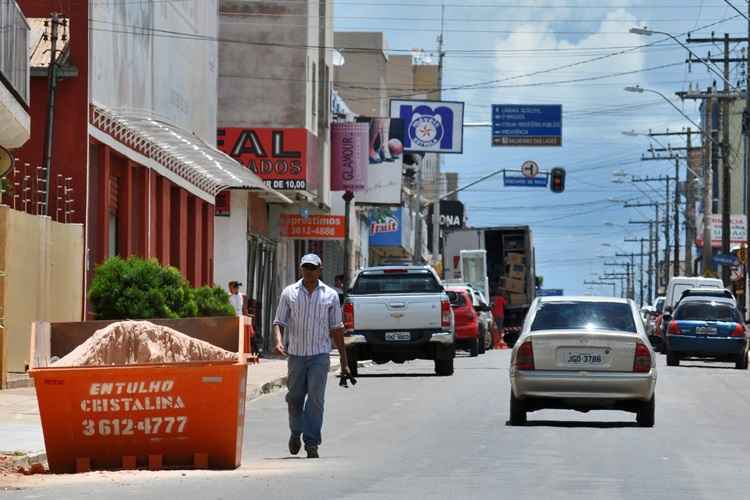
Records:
x=584, y=316
x=707, y=311
x=457, y=298
x=416, y=282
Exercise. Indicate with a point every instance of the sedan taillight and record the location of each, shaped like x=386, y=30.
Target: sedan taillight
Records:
x=642, y=359
x=348, y=313
x=674, y=328
x=739, y=330
x=525, y=356
x=445, y=313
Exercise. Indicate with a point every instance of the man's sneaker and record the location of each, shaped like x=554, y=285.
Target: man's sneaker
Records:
x=295, y=443
x=312, y=451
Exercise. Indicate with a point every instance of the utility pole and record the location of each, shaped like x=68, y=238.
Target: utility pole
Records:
x=726, y=185
x=690, y=212
x=642, y=254
x=417, y=257
x=436, y=203
x=656, y=222
x=652, y=251
x=55, y=22
x=708, y=188
x=602, y=283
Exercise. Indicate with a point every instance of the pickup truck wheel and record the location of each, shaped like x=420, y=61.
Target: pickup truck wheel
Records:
x=353, y=367
x=517, y=410
x=444, y=367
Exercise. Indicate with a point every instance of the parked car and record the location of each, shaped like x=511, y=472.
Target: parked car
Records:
x=483, y=308
x=466, y=320
x=708, y=293
x=583, y=353
x=706, y=327
x=399, y=313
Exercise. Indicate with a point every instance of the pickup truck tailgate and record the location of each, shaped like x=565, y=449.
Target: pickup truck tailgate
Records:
x=397, y=312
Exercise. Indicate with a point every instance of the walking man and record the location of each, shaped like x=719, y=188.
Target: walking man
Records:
x=309, y=315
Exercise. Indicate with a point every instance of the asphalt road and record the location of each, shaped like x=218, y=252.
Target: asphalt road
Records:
x=403, y=433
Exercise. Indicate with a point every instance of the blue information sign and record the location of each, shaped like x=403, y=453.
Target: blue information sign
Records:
x=526, y=125
x=523, y=181
x=549, y=292
x=724, y=259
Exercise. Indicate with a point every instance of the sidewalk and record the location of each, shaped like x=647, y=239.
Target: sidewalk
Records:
x=21, y=428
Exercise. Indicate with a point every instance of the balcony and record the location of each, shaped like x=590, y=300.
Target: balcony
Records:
x=15, y=123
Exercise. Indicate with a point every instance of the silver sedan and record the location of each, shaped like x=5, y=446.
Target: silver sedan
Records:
x=583, y=353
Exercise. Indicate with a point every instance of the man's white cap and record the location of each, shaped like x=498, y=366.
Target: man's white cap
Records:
x=310, y=258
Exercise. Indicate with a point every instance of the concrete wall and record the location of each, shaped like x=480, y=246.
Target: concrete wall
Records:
x=361, y=81
x=43, y=265
x=230, y=243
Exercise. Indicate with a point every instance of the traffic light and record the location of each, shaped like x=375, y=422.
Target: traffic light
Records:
x=557, y=184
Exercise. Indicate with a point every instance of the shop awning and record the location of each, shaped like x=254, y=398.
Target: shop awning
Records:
x=180, y=152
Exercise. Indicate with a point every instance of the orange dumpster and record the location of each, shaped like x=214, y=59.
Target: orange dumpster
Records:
x=179, y=415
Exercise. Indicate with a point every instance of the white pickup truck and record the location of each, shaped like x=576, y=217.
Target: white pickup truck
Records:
x=399, y=313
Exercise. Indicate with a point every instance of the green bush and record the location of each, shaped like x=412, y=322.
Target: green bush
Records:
x=212, y=301
x=143, y=289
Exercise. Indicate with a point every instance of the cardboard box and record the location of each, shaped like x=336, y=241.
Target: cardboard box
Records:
x=513, y=285
x=513, y=242
x=517, y=275
x=515, y=268
x=515, y=259
x=518, y=299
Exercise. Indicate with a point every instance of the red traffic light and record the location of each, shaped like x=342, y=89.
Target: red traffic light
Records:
x=557, y=180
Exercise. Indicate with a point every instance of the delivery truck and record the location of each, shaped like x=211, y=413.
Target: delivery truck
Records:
x=510, y=267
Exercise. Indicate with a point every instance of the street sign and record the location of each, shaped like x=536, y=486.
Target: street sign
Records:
x=550, y=292
x=530, y=168
x=724, y=259
x=523, y=181
x=737, y=230
x=526, y=125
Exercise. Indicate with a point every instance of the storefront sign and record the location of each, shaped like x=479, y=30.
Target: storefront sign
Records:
x=278, y=156
x=385, y=228
x=385, y=161
x=431, y=126
x=349, y=148
x=737, y=225
x=313, y=227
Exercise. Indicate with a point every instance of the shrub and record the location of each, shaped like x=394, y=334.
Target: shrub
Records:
x=212, y=301
x=140, y=289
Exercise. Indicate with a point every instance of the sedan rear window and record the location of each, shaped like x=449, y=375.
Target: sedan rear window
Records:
x=707, y=311
x=584, y=316
x=414, y=282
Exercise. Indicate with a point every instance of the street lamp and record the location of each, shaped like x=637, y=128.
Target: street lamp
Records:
x=647, y=32
x=637, y=89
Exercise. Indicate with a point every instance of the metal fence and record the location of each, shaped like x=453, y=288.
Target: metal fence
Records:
x=14, y=47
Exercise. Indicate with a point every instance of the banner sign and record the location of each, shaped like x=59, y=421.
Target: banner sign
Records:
x=737, y=227
x=278, y=156
x=385, y=155
x=431, y=126
x=385, y=228
x=349, y=148
x=451, y=218
x=526, y=125
x=313, y=227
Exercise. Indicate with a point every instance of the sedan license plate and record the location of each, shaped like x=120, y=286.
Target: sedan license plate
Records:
x=397, y=336
x=705, y=330
x=583, y=358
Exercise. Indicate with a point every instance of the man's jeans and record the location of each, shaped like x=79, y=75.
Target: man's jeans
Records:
x=307, y=377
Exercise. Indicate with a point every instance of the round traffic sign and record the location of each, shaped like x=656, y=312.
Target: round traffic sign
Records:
x=530, y=168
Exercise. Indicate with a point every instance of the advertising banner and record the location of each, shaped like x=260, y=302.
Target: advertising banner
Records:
x=526, y=125
x=451, y=218
x=278, y=156
x=313, y=227
x=386, y=228
x=349, y=156
x=385, y=153
x=431, y=126
x=737, y=226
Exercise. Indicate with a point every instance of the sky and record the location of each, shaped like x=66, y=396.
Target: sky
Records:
x=578, y=54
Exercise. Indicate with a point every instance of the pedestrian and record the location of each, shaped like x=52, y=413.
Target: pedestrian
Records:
x=237, y=299
x=498, y=309
x=307, y=318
